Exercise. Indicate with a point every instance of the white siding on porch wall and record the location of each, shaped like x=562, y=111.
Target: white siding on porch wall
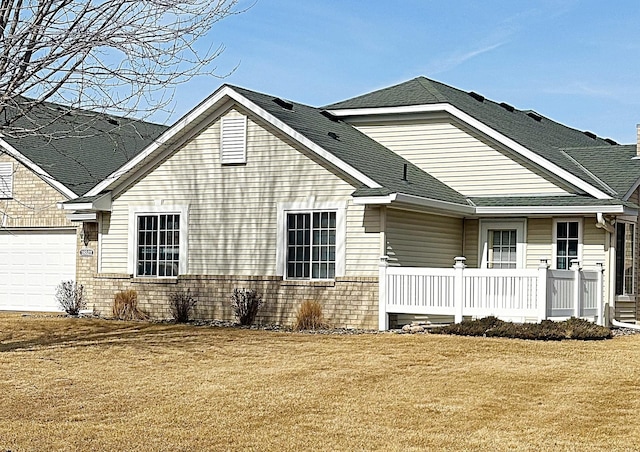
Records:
x=233, y=208
x=459, y=158
x=32, y=264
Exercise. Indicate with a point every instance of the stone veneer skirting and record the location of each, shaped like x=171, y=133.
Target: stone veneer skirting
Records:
x=347, y=302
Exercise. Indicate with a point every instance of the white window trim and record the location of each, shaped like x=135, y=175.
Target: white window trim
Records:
x=554, y=257
x=284, y=208
x=520, y=225
x=6, y=169
x=135, y=212
x=226, y=159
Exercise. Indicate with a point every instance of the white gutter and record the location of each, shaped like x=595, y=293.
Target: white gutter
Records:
x=414, y=200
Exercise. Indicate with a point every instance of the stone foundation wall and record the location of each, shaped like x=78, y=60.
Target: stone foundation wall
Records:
x=347, y=302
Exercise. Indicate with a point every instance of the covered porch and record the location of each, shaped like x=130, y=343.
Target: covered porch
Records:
x=520, y=295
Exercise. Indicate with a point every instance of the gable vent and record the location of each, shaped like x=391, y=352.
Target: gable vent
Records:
x=610, y=141
x=507, y=106
x=233, y=140
x=535, y=116
x=591, y=135
x=476, y=96
x=6, y=180
x=283, y=103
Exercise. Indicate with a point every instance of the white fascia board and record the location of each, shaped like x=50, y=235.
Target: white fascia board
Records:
x=633, y=188
x=82, y=216
x=484, y=129
x=218, y=97
x=102, y=203
x=553, y=210
x=416, y=201
x=13, y=152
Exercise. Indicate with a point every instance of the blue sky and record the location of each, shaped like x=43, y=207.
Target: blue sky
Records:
x=575, y=61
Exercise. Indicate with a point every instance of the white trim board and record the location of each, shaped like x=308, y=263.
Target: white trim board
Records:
x=484, y=129
x=222, y=95
x=42, y=174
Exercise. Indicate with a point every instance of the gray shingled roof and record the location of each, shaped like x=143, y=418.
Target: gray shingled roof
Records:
x=546, y=201
x=613, y=164
x=358, y=150
x=544, y=137
x=82, y=148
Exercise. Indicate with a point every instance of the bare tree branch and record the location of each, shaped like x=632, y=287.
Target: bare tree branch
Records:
x=116, y=56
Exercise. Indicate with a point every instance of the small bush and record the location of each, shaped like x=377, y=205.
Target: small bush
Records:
x=546, y=330
x=125, y=306
x=70, y=297
x=245, y=304
x=309, y=316
x=180, y=305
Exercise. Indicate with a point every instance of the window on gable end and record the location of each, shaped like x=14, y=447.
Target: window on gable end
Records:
x=233, y=140
x=6, y=180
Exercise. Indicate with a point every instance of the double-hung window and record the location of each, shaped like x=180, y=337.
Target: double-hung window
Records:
x=311, y=245
x=158, y=245
x=568, y=240
x=625, y=260
x=502, y=243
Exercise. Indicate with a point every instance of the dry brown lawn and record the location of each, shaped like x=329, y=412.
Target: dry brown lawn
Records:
x=83, y=384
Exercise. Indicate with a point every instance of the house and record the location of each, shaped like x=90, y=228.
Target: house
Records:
x=256, y=191
x=68, y=155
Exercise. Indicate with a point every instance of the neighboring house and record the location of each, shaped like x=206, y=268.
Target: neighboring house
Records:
x=38, y=244
x=251, y=190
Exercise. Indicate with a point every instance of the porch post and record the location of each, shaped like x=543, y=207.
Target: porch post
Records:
x=543, y=299
x=600, y=294
x=577, y=295
x=458, y=288
x=383, y=318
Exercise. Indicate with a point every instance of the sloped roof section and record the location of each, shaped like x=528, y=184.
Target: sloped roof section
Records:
x=613, y=164
x=356, y=149
x=80, y=148
x=535, y=132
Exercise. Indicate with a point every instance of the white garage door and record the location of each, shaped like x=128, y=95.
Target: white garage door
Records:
x=32, y=264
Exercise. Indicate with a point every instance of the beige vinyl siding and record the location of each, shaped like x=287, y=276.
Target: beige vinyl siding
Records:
x=459, y=158
x=539, y=241
x=593, y=244
x=422, y=240
x=233, y=209
x=471, y=238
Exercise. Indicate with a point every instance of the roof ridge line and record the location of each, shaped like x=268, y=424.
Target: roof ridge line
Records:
x=427, y=84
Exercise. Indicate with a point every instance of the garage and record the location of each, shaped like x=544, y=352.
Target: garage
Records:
x=32, y=264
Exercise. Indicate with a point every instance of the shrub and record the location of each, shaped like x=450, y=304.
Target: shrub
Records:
x=309, y=316
x=245, y=304
x=70, y=297
x=125, y=306
x=181, y=305
x=546, y=330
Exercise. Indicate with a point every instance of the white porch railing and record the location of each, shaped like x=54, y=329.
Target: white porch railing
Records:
x=523, y=295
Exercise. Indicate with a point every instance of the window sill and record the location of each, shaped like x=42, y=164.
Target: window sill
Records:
x=309, y=282
x=154, y=280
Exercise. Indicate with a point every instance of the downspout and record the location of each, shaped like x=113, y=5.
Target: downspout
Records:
x=631, y=326
x=605, y=224
x=609, y=305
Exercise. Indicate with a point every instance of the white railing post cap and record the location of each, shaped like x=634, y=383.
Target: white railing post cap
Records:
x=544, y=263
x=575, y=264
x=384, y=261
x=460, y=262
